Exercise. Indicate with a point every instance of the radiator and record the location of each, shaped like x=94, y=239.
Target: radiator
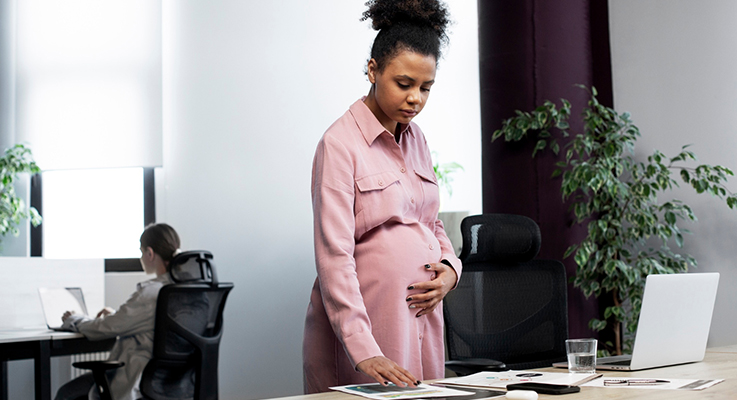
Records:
x=99, y=356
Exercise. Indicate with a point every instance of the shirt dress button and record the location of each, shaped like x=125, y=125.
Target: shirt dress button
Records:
x=381, y=183
x=412, y=200
x=432, y=247
x=402, y=170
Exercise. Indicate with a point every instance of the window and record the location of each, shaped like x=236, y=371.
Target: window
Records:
x=88, y=103
x=95, y=213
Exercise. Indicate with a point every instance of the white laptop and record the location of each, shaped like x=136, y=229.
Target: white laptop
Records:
x=56, y=301
x=674, y=323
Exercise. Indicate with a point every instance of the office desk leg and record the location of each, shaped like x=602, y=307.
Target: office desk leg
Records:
x=4, y=380
x=42, y=370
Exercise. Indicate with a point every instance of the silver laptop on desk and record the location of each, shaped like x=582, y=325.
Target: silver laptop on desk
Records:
x=56, y=301
x=674, y=323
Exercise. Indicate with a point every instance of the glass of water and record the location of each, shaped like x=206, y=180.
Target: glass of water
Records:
x=581, y=355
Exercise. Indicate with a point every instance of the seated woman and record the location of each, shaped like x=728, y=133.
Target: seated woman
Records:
x=132, y=323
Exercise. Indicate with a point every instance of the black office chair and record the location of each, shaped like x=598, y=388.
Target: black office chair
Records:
x=508, y=310
x=188, y=328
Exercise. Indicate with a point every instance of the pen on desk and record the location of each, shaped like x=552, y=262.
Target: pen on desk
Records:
x=634, y=382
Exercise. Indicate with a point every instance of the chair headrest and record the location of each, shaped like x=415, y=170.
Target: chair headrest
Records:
x=193, y=266
x=500, y=238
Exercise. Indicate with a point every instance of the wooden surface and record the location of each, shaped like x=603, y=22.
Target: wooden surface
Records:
x=719, y=363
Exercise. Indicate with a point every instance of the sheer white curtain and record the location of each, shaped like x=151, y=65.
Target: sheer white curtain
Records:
x=88, y=82
x=88, y=103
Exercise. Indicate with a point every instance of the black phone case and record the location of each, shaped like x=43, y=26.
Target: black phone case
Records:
x=544, y=388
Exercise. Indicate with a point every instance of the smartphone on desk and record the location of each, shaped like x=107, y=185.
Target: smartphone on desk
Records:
x=544, y=388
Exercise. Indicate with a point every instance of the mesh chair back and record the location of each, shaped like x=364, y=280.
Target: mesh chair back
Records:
x=507, y=306
x=193, y=266
x=498, y=238
x=189, y=319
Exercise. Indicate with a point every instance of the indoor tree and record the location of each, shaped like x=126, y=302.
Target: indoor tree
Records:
x=631, y=230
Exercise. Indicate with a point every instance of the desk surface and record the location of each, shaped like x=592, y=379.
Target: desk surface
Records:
x=719, y=363
x=29, y=335
x=40, y=345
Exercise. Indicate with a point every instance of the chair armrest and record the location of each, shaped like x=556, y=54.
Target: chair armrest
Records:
x=99, y=373
x=98, y=365
x=473, y=365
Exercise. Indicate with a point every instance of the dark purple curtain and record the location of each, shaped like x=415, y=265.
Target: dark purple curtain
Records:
x=531, y=51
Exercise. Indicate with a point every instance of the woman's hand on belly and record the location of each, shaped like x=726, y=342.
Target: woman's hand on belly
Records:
x=385, y=370
x=435, y=289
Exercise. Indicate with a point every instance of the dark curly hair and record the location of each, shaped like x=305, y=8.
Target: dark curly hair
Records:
x=414, y=25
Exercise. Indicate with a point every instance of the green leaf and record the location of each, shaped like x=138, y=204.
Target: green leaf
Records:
x=539, y=146
x=670, y=217
x=555, y=147
x=581, y=257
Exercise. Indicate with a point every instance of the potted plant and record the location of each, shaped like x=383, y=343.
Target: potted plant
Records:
x=13, y=210
x=618, y=197
x=451, y=220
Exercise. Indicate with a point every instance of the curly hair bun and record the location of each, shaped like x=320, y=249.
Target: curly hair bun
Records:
x=425, y=13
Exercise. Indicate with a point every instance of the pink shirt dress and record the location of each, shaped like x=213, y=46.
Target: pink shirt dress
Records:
x=375, y=206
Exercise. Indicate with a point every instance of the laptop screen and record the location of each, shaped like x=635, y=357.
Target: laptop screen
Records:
x=675, y=319
x=56, y=301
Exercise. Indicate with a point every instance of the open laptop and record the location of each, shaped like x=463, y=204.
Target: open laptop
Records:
x=56, y=301
x=674, y=323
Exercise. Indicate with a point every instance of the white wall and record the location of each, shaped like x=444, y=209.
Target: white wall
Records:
x=249, y=88
x=674, y=68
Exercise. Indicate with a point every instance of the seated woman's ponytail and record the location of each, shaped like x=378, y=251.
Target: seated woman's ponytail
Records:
x=163, y=239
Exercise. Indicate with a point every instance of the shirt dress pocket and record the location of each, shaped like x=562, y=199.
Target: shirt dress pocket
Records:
x=379, y=198
x=430, y=196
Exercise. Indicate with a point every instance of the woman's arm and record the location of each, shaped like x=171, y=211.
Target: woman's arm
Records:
x=448, y=255
x=334, y=223
x=447, y=269
x=136, y=315
x=333, y=201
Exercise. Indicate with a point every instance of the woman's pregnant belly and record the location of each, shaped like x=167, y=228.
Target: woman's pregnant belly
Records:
x=391, y=258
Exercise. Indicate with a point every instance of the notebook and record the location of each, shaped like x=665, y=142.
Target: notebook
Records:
x=56, y=301
x=674, y=323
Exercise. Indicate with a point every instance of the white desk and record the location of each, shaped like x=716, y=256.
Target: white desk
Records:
x=40, y=345
x=22, y=325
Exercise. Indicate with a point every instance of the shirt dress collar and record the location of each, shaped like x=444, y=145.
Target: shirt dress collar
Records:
x=369, y=125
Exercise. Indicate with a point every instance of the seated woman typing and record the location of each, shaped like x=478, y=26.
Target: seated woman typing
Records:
x=132, y=324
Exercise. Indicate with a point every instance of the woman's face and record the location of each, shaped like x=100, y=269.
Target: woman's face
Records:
x=400, y=91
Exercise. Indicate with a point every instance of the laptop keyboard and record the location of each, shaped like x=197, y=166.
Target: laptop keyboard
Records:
x=623, y=362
